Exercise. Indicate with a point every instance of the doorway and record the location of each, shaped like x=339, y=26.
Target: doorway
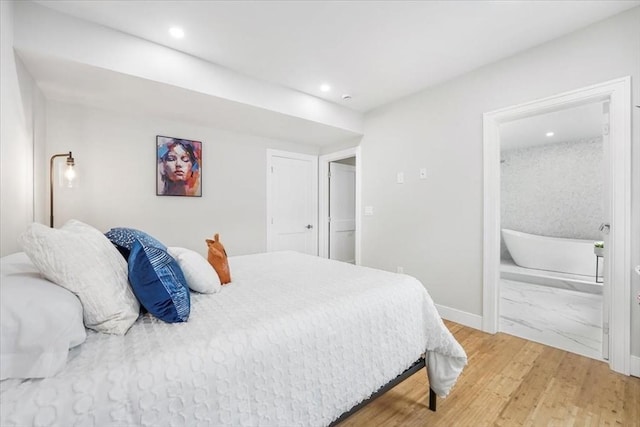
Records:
x=339, y=226
x=552, y=195
x=342, y=210
x=617, y=270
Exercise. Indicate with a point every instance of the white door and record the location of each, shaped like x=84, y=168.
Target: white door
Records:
x=606, y=260
x=292, y=202
x=342, y=212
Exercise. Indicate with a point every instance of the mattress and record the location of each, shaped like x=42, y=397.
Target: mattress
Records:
x=293, y=340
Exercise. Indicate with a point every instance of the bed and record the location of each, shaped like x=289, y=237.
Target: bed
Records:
x=293, y=340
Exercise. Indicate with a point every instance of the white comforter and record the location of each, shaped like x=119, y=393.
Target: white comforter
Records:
x=294, y=340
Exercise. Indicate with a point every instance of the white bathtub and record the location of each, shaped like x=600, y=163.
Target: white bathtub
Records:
x=569, y=256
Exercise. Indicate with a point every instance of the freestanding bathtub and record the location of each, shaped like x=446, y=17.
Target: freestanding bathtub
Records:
x=570, y=256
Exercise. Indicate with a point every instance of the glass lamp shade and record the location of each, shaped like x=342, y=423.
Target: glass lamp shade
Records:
x=69, y=176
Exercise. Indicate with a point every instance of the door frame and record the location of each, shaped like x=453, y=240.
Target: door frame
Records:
x=323, y=203
x=271, y=153
x=618, y=93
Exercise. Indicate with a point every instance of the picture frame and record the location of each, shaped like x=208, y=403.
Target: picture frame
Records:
x=178, y=167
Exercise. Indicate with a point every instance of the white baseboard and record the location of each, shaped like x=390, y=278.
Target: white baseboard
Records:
x=467, y=319
x=635, y=366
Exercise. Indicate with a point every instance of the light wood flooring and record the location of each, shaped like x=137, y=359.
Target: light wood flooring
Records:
x=510, y=381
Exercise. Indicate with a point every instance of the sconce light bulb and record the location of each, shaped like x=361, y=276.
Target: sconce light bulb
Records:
x=70, y=173
x=69, y=176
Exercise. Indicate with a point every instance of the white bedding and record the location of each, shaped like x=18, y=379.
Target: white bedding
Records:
x=294, y=340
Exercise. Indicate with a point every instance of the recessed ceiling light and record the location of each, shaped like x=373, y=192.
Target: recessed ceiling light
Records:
x=549, y=134
x=325, y=87
x=176, y=32
x=346, y=97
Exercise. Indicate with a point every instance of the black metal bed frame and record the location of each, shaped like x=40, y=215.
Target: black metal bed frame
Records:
x=417, y=365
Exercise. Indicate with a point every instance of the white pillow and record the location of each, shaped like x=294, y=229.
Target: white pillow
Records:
x=39, y=321
x=200, y=275
x=81, y=259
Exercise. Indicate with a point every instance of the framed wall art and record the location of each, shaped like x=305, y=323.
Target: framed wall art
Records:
x=179, y=167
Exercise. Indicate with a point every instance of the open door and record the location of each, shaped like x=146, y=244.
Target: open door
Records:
x=604, y=229
x=350, y=156
x=342, y=212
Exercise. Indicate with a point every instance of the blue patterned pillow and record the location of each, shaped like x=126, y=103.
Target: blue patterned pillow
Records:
x=158, y=283
x=123, y=239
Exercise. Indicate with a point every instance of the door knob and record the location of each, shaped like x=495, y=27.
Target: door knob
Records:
x=605, y=228
x=309, y=227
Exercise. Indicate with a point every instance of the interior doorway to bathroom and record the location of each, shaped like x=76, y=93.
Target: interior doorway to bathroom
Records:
x=553, y=192
x=616, y=307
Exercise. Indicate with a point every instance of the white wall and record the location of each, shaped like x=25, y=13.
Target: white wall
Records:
x=21, y=109
x=115, y=156
x=344, y=145
x=433, y=227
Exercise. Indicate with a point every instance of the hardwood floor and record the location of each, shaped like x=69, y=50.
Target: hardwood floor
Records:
x=510, y=381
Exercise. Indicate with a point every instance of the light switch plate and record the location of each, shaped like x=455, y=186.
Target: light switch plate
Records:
x=368, y=210
x=400, y=178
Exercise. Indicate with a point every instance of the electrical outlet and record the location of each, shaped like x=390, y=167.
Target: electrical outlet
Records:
x=399, y=269
x=400, y=178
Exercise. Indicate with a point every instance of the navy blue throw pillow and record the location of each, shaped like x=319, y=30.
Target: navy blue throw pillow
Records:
x=123, y=238
x=158, y=283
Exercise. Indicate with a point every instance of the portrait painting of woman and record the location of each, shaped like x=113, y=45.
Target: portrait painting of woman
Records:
x=179, y=167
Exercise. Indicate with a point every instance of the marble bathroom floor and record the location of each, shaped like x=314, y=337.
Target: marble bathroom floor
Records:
x=560, y=318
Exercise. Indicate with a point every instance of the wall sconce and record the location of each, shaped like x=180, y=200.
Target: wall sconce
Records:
x=69, y=176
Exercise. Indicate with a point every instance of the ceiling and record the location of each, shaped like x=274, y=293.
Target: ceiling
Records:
x=82, y=84
x=569, y=124
x=375, y=51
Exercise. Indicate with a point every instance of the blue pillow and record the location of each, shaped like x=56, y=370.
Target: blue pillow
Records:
x=123, y=239
x=158, y=283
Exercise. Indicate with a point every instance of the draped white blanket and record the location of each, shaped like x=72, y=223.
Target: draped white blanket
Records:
x=294, y=340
